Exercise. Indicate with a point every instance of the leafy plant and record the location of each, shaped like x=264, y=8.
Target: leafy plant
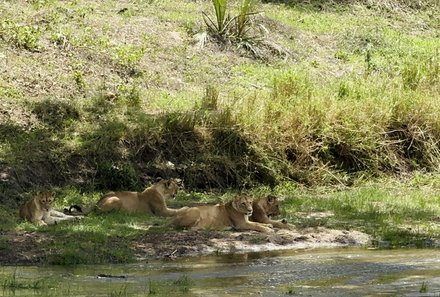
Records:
x=242, y=20
x=227, y=28
x=22, y=36
x=129, y=56
x=79, y=80
x=222, y=20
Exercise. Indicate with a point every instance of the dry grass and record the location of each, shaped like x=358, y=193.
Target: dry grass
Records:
x=97, y=91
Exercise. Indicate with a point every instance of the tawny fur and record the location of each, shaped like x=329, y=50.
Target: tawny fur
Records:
x=39, y=210
x=218, y=217
x=152, y=200
x=266, y=207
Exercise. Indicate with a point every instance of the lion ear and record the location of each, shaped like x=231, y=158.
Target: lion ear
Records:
x=270, y=198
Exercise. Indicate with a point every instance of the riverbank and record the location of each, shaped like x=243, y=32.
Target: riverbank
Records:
x=386, y=213
x=33, y=248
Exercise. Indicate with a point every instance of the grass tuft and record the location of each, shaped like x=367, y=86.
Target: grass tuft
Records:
x=13, y=283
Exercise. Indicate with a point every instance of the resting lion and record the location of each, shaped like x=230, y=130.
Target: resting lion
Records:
x=233, y=214
x=152, y=200
x=39, y=210
x=266, y=207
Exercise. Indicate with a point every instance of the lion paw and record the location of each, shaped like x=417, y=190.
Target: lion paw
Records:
x=269, y=230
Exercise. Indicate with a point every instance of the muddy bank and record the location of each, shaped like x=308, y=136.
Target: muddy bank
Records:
x=32, y=248
x=195, y=243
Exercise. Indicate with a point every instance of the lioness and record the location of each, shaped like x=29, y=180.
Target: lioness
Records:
x=266, y=207
x=233, y=214
x=151, y=200
x=39, y=210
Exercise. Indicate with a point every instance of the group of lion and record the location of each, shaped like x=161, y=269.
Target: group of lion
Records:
x=241, y=213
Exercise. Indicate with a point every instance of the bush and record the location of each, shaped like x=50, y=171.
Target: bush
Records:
x=116, y=176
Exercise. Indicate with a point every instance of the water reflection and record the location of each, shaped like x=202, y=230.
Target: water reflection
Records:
x=339, y=272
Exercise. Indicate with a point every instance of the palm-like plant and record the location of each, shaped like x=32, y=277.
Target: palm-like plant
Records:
x=226, y=26
x=242, y=20
x=220, y=25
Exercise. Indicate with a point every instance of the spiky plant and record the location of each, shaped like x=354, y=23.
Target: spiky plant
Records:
x=230, y=28
x=222, y=21
x=242, y=21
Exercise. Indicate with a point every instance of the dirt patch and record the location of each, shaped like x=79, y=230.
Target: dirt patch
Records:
x=25, y=248
x=196, y=243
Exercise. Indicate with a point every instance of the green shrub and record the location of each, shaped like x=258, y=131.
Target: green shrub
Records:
x=56, y=113
x=116, y=176
x=21, y=36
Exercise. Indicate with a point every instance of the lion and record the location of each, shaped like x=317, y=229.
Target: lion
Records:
x=152, y=200
x=233, y=214
x=266, y=207
x=39, y=210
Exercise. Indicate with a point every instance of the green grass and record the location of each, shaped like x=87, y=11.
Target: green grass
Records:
x=97, y=238
x=13, y=283
x=17, y=284
x=395, y=213
x=184, y=283
x=398, y=213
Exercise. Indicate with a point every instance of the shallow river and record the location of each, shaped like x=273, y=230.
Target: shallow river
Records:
x=338, y=272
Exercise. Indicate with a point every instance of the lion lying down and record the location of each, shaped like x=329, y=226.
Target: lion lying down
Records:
x=266, y=207
x=39, y=210
x=233, y=214
x=152, y=200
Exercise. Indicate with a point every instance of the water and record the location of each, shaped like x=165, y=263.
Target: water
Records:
x=337, y=272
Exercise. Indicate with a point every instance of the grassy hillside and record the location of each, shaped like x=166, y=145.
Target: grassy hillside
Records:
x=313, y=97
x=110, y=94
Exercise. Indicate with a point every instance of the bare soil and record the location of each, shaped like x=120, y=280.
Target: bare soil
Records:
x=25, y=248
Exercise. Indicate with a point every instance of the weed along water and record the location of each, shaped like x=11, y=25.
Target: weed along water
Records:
x=334, y=272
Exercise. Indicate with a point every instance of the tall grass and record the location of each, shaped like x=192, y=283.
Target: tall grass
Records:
x=316, y=119
x=376, y=122
x=399, y=213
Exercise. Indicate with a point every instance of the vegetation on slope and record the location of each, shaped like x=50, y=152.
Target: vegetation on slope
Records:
x=99, y=95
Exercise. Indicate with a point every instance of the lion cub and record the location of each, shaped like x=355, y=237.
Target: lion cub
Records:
x=266, y=207
x=152, y=200
x=39, y=210
x=233, y=214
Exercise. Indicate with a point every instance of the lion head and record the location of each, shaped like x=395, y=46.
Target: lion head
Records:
x=168, y=187
x=270, y=205
x=45, y=200
x=243, y=204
